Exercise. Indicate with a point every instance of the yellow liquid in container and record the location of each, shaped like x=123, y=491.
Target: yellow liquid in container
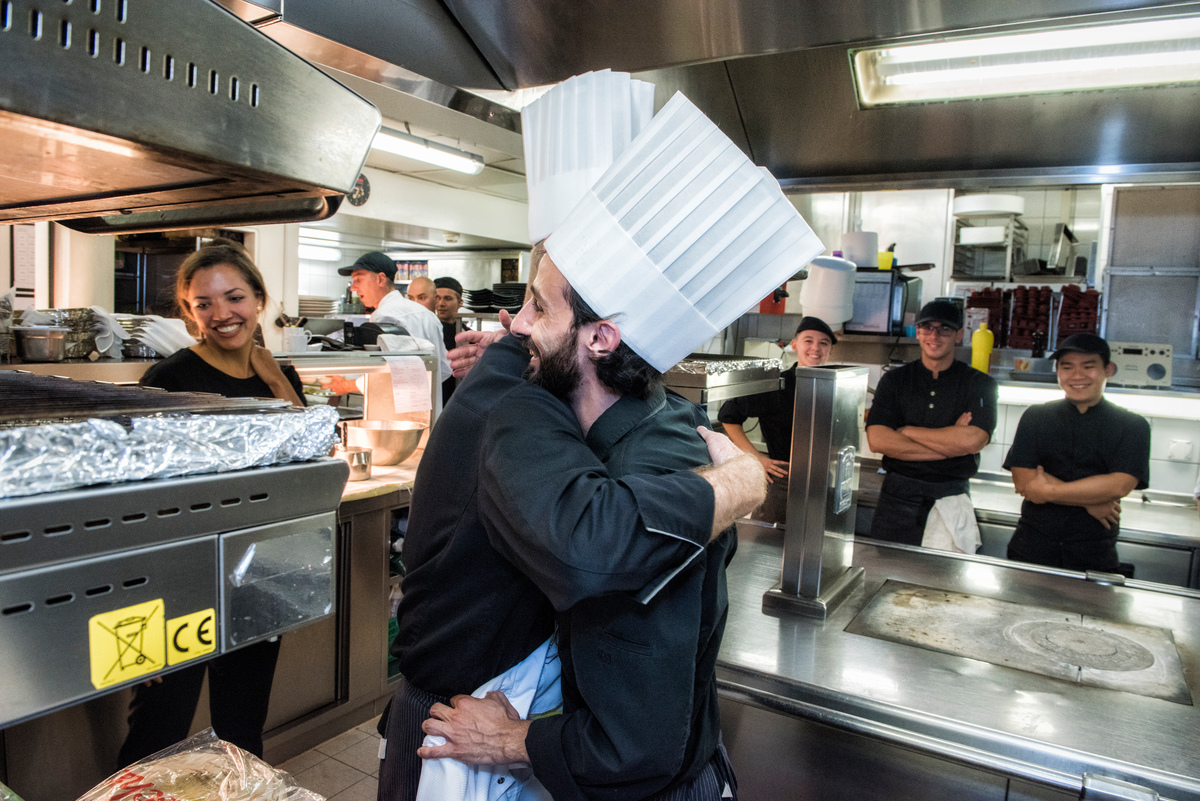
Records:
x=981, y=348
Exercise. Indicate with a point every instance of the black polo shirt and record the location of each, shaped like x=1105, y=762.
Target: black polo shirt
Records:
x=911, y=396
x=638, y=680
x=775, y=411
x=1070, y=446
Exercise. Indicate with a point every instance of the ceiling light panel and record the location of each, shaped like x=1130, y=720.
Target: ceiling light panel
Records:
x=1066, y=59
x=414, y=147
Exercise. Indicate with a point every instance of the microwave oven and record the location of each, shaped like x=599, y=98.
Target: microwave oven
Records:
x=885, y=302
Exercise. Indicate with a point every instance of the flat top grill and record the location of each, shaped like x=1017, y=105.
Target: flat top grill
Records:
x=28, y=399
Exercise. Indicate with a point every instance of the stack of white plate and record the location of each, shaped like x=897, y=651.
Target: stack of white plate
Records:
x=317, y=306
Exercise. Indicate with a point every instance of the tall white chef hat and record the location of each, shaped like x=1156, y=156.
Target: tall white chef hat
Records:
x=680, y=236
x=572, y=134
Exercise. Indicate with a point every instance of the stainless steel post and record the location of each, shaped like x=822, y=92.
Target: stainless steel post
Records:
x=819, y=535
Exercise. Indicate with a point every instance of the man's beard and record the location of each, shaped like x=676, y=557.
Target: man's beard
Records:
x=558, y=371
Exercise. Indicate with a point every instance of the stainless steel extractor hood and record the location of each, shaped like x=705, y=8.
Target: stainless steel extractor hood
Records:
x=141, y=115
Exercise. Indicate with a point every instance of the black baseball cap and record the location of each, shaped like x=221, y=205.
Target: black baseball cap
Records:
x=1084, y=343
x=448, y=283
x=374, y=261
x=941, y=311
x=816, y=324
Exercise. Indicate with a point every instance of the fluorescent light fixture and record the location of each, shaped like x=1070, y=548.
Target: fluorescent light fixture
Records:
x=320, y=234
x=318, y=253
x=414, y=147
x=1148, y=53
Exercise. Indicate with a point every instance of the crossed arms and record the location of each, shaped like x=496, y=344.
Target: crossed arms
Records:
x=1100, y=495
x=916, y=444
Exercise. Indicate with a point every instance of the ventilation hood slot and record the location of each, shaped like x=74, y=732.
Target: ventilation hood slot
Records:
x=138, y=115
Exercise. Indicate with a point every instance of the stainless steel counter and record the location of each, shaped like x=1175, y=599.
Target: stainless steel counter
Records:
x=1004, y=720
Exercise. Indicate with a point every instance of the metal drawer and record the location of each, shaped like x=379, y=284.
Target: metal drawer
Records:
x=276, y=577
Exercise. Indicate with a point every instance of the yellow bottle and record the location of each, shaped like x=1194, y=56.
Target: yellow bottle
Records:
x=981, y=348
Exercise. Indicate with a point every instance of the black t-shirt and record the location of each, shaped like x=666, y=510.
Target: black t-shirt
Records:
x=775, y=411
x=911, y=396
x=1070, y=446
x=184, y=371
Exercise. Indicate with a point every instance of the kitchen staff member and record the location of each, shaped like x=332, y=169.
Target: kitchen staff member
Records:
x=372, y=277
x=930, y=419
x=468, y=614
x=421, y=290
x=775, y=412
x=1073, y=460
x=447, y=301
x=222, y=293
x=640, y=715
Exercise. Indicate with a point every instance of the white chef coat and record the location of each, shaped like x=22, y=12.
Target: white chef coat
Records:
x=418, y=321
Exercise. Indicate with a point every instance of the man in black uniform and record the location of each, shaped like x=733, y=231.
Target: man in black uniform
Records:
x=620, y=657
x=467, y=613
x=930, y=419
x=447, y=301
x=775, y=411
x=1073, y=460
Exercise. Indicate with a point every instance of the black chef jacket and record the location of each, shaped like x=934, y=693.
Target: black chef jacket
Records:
x=911, y=396
x=468, y=614
x=775, y=411
x=638, y=681
x=1070, y=446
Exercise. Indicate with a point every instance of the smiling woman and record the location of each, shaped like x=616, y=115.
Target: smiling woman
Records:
x=221, y=291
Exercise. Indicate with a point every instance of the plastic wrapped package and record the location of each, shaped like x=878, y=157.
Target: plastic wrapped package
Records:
x=61, y=456
x=200, y=768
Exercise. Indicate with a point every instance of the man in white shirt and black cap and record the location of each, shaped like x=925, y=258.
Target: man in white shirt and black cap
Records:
x=372, y=277
x=611, y=311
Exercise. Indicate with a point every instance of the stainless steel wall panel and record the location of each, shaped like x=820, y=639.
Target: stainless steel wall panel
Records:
x=709, y=87
x=535, y=42
x=1156, y=227
x=419, y=35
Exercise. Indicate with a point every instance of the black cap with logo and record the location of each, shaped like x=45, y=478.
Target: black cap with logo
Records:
x=375, y=262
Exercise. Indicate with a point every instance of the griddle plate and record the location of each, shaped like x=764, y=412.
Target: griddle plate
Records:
x=1051, y=642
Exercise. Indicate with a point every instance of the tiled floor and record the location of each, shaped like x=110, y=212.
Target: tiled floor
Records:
x=343, y=768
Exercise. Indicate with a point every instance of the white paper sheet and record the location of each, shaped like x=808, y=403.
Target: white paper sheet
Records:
x=410, y=384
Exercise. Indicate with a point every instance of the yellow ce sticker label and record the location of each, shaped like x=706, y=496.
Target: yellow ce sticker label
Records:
x=126, y=643
x=191, y=636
